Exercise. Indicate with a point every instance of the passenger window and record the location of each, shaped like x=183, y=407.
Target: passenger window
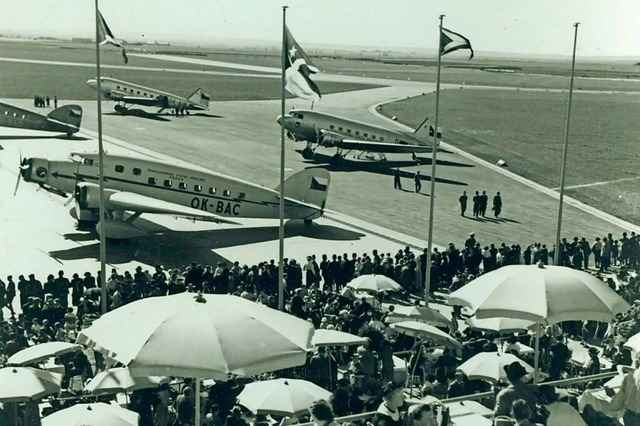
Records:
x=137, y=171
x=349, y=131
x=23, y=116
x=168, y=183
x=373, y=137
x=197, y=188
x=152, y=181
x=226, y=193
x=88, y=162
x=332, y=127
x=119, y=168
x=212, y=190
x=365, y=135
x=357, y=133
x=340, y=128
x=182, y=185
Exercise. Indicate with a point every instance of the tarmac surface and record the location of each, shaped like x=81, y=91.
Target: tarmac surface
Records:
x=241, y=139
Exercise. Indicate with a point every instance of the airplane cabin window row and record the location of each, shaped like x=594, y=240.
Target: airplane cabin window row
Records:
x=169, y=183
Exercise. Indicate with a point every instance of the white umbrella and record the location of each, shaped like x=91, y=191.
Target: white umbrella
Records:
x=633, y=343
x=282, y=397
x=542, y=294
x=38, y=353
x=490, y=366
x=420, y=313
x=501, y=325
x=22, y=384
x=201, y=336
x=117, y=380
x=420, y=329
x=96, y=414
x=374, y=283
x=324, y=337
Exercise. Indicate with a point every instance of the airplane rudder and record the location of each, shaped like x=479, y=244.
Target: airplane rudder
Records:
x=68, y=114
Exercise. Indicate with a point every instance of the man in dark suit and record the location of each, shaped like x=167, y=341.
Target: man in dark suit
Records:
x=476, y=204
x=484, y=200
x=463, y=203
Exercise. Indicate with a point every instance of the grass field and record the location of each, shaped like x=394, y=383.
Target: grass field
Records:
x=20, y=80
x=525, y=128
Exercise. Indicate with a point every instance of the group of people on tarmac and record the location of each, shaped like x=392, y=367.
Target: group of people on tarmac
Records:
x=44, y=101
x=480, y=204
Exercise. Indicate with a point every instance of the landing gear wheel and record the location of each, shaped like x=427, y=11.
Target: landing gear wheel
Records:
x=121, y=109
x=307, y=153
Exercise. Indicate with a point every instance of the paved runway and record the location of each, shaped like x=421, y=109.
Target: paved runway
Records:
x=242, y=139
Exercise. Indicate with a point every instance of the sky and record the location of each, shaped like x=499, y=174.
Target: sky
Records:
x=540, y=27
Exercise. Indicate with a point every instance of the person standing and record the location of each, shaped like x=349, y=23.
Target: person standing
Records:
x=476, y=204
x=497, y=204
x=11, y=294
x=55, y=102
x=48, y=101
x=484, y=201
x=417, y=181
x=463, y=202
x=396, y=179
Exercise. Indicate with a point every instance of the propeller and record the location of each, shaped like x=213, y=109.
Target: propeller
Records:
x=21, y=167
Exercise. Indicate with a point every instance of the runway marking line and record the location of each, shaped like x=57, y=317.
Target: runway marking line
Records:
x=600, y=183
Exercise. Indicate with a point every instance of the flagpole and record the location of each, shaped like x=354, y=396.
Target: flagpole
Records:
x=566, y=146
x=281, y=214
x=432, y=198
x=101, y=220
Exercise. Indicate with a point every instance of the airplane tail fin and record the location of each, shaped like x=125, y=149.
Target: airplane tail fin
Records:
x=199, y=97
x=70, y=115
x=310, y=186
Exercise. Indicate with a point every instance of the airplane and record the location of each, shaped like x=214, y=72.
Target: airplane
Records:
x=124, y=93
x=320, y=129
x=134, y=186
x=65, y=119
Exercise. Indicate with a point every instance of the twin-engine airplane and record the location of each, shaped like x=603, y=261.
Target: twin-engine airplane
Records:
x=127, y=93
x=135, y=186
x=325, y=130
x=65, y=119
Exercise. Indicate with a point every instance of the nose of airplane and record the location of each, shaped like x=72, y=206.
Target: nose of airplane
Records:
x=91, y=82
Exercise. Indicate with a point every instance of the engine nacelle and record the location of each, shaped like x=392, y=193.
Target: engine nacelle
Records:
x=330, y=140
x=118, y=230
x=87, y=201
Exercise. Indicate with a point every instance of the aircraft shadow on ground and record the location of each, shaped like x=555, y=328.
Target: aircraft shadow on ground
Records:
x=492, y=219
x=176, y=248
x=25, y=137
x=379, y=167
x=140, y=114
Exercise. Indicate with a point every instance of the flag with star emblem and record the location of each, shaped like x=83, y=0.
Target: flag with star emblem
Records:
x=450, y=41
x=105, y=36
x=298, y=70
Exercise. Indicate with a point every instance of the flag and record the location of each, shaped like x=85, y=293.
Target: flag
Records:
x=450, y=41
x=298, y=69
x=105, y=36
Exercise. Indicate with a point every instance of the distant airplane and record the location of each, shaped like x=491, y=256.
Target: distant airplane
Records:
x=127, y=93
x=65, y=119
x=144, y=186
x=330, y=131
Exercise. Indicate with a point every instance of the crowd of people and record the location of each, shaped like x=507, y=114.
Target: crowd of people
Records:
x=44, y=101
x=362, y=379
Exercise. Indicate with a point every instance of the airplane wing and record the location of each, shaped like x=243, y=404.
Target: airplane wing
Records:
x=370, y=146
x=142, y=204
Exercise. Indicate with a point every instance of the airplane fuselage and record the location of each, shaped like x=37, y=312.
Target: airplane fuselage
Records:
x=305, y=125
x=195, y=188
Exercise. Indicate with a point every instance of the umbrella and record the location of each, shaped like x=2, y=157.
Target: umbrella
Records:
x=420, y=313
x=37, y=353
x=373, y=283
x=633, y=343
x=420, y=329
x=324, y=337
x=501, y=325
x=210, y=336
x=22, y=384
x=282, y=397
x=542, y=294
x=120, y=380
x=97, y=414
x=489, y=366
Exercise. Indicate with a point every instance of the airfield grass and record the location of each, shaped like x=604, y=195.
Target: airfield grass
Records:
x=526, y=128
x=85, y=53
x=20, y=80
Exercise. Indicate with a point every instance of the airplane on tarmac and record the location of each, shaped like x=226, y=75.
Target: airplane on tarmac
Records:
x=65, y=119
x=124, y=93
x=134, y=186
x=320, y=129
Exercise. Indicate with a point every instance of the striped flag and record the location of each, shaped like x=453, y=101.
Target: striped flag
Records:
x=105, y=36
x=450, y=41
x=298, y=69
